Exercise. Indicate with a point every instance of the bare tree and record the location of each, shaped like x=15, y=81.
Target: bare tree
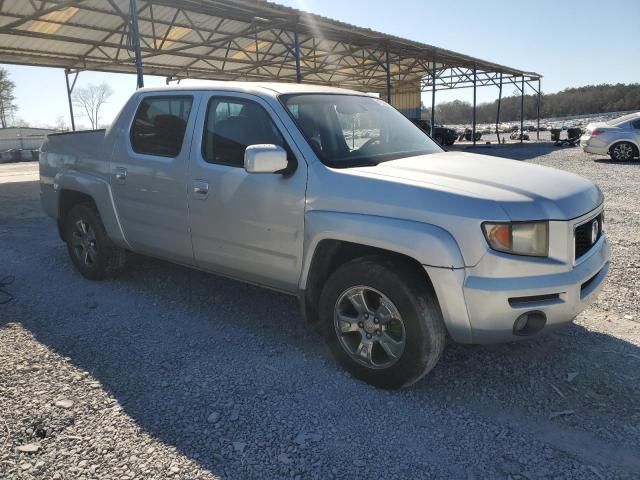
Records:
x=7, y=107
x=91, y=99
x=59, y=125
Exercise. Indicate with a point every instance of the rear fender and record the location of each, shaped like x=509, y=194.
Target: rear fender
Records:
x=100, y=191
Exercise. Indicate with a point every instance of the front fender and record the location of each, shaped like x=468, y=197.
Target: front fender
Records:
x=427, y=244
x=99, y=189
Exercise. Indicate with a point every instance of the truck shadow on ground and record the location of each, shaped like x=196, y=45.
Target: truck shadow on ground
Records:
x=172, y=345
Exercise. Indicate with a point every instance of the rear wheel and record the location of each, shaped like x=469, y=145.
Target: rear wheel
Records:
x=623, y=152
x=90, y=249
x=439, y=140
x=382, y=321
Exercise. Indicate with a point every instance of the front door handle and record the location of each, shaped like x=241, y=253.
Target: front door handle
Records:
x=200, y=189
x=121, y=174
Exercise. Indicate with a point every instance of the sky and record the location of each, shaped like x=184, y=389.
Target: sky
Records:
x=588, y=43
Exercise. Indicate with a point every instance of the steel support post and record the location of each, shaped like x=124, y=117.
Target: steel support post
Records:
x=538, y=111
x=522, y=111
x=433, y=96
x=388, y=62
x=69, y=92
x=134, y=41
x=296, y=51
x=498, y=112
x=473, y=128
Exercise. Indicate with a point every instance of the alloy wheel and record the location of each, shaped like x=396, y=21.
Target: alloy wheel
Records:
x=83, y=241
x=369, y=327
x=623, y=151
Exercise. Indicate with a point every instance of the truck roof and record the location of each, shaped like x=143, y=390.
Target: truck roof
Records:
x=252, y=87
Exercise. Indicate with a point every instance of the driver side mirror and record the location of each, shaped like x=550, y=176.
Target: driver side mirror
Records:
x=265, y=159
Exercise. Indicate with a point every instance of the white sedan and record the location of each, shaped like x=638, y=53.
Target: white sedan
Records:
x=619, y=138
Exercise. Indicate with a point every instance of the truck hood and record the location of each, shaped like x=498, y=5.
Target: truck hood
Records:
x=523, y=190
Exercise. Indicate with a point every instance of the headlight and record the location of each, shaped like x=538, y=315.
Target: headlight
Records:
x=519, y=238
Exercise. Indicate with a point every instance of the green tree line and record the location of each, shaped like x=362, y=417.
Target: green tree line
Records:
x=585, y=100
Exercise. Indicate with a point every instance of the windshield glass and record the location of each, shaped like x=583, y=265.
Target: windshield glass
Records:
x=356, y=130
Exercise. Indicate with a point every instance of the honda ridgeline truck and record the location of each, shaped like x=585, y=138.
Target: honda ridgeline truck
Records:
x=391, y=244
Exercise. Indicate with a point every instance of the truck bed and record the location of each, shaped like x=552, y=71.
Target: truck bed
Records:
x=81, y=151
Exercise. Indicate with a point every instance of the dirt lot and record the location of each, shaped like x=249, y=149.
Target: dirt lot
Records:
x=172, y=373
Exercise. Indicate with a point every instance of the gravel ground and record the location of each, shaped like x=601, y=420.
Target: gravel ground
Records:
x=172, y=373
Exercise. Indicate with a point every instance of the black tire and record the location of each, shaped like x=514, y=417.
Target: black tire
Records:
x=107, y=260
x=451, y=142
x=439, y=140
x=623, y=152
x=408, y=290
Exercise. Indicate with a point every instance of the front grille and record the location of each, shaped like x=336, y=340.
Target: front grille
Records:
x=586, y=236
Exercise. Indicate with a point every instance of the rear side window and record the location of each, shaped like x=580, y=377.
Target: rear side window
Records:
x=159, y=125
x=231, y=125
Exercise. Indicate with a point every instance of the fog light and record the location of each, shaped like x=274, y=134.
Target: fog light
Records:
x=529, y=323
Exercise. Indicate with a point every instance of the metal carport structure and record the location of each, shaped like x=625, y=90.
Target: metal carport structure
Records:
x=238, y=40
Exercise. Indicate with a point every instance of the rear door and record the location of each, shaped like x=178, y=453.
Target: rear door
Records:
x=149, y=175
x=247, y=226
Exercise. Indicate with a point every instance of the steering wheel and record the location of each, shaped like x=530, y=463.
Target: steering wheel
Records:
x=370, y=142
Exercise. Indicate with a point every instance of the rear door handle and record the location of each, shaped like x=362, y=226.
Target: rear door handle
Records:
x=121, y=174
x=200, y=189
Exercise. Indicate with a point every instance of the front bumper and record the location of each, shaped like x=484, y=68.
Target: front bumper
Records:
x=482, y=309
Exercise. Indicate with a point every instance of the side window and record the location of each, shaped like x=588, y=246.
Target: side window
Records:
x=231, y=125
x=636, y=125
x=159, y=125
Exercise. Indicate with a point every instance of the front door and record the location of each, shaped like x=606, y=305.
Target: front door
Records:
x=247, y=226
x=149, y=175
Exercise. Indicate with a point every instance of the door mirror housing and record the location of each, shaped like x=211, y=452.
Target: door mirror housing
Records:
x=265, y=159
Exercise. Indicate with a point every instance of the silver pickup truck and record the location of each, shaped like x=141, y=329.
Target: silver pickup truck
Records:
x=391, y=244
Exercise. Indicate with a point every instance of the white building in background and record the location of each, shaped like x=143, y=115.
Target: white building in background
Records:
x=22, y=138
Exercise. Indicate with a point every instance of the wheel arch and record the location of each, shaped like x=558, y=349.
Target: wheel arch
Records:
x=75, y=187
x=67, y=199
x=333, y=238
x=632, y=141
x=330, y=254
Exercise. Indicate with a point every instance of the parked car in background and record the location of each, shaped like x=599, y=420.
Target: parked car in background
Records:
x=391, y=245
x=442, y=135
x=519, y=136
x=619, y=138
x=467, y=135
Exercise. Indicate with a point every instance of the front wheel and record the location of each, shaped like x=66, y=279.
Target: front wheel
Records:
x=382, y=321
x=623, y=152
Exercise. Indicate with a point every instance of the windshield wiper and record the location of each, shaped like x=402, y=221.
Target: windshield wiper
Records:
x=352, y=163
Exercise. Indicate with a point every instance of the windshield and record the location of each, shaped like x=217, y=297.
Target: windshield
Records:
x=356, y=130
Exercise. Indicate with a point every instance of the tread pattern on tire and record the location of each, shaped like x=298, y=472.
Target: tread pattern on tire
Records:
x=402, y=276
